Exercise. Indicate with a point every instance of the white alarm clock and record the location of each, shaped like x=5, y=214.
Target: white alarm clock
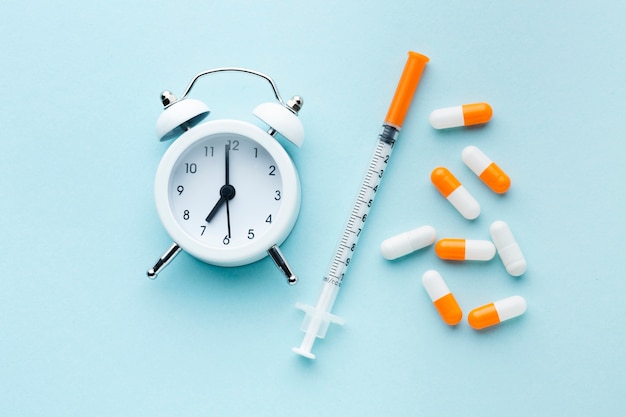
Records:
x=226, y=191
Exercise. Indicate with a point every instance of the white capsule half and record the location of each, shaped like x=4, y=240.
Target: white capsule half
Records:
x=475, y=159
x=510, y=307
x=447, y=117
x=508, y=249
x=464, y=202
x=479, y=250
x=408, y=242
x=434, y=285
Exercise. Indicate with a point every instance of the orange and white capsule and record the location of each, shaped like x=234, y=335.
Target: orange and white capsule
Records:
x=453, y=249
x=487, y=170
x=455, y=193
x=442, y=297
x=496, y=312
x=465, y=115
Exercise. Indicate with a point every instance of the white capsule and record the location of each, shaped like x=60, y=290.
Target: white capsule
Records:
x=407, y=242
x=508, y=249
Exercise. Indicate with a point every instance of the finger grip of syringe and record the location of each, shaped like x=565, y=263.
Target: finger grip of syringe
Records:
x=315, y=325
x=405, y=90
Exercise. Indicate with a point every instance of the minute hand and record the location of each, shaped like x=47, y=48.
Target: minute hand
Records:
x=227, y=192
x=227, y=163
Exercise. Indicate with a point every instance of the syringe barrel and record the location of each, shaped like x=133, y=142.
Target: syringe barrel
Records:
x=328, y=295
x=405, y=90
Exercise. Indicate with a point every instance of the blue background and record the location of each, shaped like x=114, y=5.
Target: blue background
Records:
x=84, y=332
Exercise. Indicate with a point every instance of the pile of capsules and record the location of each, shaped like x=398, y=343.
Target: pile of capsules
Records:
x=465, y=249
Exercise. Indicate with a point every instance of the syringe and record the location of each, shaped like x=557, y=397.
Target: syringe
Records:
x=319, y=317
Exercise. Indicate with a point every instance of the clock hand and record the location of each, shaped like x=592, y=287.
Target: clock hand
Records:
x=227, y=192
x=230, y=197
x=227, y=162
x=228, y=217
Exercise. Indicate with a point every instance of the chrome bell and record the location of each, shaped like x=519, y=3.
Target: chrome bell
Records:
x=283, y=119
x=179, y=116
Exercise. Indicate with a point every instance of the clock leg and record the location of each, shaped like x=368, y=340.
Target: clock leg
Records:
x=278, y=257
x=165, y=259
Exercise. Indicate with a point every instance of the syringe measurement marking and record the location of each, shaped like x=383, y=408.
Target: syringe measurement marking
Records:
x=359, y=213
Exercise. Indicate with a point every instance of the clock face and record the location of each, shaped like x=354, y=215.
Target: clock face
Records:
x=226, y=191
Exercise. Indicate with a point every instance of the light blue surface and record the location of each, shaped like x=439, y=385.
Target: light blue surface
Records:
x=83, y=332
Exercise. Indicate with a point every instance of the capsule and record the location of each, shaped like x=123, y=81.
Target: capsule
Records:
x=487, y=170
x=455, y=193
x=407, y=242
x=496, y=312
x=465, y=249
x=465, y=115
x=508, y=249
x=442, y=298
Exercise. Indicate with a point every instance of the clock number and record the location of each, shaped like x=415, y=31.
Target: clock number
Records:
x=186, y=215
x=206, y=150
x=277, y=196
x=233, y=145
x=191, y=168
x=226, y=240
x=256, y=152
x=203, y=230
x=180, y=189
x=250, y=234
x=269, y=219
x=272, y=170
